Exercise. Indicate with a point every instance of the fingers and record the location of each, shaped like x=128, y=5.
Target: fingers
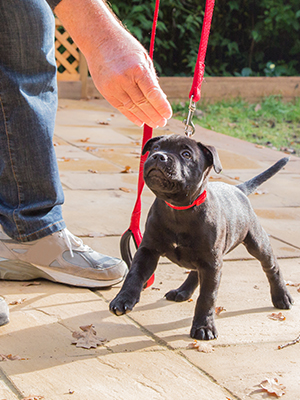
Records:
x=135, y=106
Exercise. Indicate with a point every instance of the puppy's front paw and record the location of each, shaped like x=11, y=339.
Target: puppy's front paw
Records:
x=178, y=295
x=283, y=300
x=208, y=332
x=122, y=304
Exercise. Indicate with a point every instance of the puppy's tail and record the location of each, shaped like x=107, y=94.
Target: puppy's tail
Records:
x=249, y=187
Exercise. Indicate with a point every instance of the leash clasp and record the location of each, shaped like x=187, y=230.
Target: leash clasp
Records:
x=189, y=129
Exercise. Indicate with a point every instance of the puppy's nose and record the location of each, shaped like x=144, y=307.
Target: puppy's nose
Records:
x=160, y=156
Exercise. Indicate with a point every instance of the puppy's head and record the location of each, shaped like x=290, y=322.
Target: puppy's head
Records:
x=177, y=167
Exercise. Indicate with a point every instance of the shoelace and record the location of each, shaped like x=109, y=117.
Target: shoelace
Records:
x=72, y=240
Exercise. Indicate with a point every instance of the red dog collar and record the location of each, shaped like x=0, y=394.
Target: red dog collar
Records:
x=197, y=202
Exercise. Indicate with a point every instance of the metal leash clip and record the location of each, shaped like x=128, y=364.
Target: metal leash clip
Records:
x=189, y=126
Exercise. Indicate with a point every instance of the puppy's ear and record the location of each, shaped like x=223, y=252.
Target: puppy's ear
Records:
x=212, y=156
x=149, y=144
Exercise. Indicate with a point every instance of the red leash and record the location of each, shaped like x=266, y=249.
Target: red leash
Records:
x=134, y=228
x=195, y=93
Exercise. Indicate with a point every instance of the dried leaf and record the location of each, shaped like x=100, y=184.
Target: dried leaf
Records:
x=237, y=178
x=155, y=288
x=124, y=189
x=93, y=171
x=298, y=290
x=10, y=357
x=127, y=170
x=63, y=159
x=31, y=283
x=277, y=317
x=218, y=310
x=84, y=140
x=290, y=283
x=202, y=347
x=272, y=386
x=257, y=107
x=33, y=398
x=259, y=146
x=259, y=191
x=102, y=123
x=205, y=348
x=96, y=234
x=90, y=148
x=19, y=301
x=193, y=345
x=88, y=338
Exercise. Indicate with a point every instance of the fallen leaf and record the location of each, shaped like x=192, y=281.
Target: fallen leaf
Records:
x=277, y=317
x=127, y=170
x=90, y=148
x=257, y=107
x=31, y=283
x=237, y=178
x=96, y=234
x=259, y=191
x=88, y=338
x=19, y=301
x=84, y=140
x=205, y=348
x=190, y=300
x=10, y=357
x=298, y=290
x=93, y=171
x=102, y=123
x=272, y=386
x=33, y=398
x=290, y=283
x=259, y=146
x=218, y=310
x=63, y=159
x=202, y=347
x=155, y=288
x=125, y=190
x=232, y=124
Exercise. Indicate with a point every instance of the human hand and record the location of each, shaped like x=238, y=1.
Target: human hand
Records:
x=124, y=74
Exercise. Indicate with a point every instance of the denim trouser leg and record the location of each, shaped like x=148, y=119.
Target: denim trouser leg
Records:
x=30, y=190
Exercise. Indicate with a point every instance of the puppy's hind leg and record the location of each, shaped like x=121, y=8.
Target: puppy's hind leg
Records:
x=185, y=291
x=258, y=244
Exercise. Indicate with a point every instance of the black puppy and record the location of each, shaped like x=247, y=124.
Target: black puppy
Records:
x=194, y=223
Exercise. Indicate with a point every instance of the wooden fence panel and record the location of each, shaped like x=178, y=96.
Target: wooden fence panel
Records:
x=67, y=55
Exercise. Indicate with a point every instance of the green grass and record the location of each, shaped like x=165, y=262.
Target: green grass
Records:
x=270, y=122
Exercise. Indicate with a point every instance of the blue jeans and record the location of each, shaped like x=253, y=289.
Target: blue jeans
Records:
x=30, y=190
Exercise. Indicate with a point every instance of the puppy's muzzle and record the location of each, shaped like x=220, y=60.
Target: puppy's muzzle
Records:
x=160, y=157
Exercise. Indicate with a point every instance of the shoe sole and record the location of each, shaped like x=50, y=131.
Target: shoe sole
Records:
x=22, y=271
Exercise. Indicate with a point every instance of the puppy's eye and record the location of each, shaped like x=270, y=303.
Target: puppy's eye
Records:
x=186, y=154
x=155, y=147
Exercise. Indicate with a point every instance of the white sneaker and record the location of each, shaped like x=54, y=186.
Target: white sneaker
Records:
x=60, y=257
x=4, y=313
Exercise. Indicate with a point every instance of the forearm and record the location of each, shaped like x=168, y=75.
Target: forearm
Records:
x=91, y=25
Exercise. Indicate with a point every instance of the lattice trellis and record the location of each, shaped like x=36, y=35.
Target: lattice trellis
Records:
x=67, y=55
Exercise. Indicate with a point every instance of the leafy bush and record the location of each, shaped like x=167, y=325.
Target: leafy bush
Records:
x=248, y=37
